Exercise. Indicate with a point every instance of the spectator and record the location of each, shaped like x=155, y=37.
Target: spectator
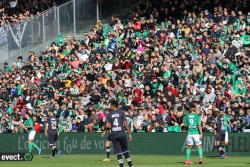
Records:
x=156, y=64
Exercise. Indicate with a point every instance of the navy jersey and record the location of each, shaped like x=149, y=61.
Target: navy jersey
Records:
x=116, y=119
x=222, y=123
x=52, y=123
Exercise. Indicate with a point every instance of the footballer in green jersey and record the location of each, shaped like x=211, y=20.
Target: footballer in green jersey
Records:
x=29, y=128
x=193, y=123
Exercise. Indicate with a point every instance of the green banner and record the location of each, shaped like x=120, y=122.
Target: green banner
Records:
x=143, y=143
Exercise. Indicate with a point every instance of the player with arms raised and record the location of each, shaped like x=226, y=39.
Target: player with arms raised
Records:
x=193, y=123
x=52, y=132
x=117, y=122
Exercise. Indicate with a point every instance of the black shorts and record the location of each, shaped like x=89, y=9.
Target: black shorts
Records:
x=52, y=137
x=222, y=137
x=120, y=143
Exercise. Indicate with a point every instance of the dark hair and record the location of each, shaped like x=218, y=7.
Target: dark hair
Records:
x=114, y=102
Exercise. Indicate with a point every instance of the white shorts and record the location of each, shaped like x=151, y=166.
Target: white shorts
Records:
x=193, y=139
x=32, y=135
x=226, y=137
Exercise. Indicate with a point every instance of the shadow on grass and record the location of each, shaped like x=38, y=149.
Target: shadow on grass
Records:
x=213, y=156
x=46, y=157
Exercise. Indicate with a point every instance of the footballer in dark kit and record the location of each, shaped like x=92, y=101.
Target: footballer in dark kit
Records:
x=52, y=132
x=117, y=123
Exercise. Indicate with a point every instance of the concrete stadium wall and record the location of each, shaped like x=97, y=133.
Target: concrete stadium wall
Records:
x=143, y=143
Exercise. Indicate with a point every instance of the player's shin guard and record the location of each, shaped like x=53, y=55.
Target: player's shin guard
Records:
x=200, y=152
x=127, y=157
x=120, y=160
x=221, y=149
x=108, y=152
x=53, y=150
x=188, y=153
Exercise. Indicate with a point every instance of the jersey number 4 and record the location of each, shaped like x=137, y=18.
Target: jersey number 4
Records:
x=116, y=123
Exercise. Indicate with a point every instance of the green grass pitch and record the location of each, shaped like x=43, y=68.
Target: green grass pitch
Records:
x=138, y=160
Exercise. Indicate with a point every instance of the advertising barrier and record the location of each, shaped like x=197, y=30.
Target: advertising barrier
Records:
x=143, y=143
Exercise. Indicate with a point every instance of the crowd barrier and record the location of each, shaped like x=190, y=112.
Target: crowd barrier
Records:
x=143, y=143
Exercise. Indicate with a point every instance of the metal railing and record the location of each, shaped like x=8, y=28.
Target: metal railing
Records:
x=71, y=19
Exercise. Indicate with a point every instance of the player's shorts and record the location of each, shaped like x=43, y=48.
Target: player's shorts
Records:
x=222, y=137
x=120, y=143
x=52, y=137
x=32, y=135
x=193, y=139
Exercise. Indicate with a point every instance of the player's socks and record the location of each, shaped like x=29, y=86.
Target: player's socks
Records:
x=188, y=153
x=127, y=157
x=53, y=153
x=30, y=147
x=120, y=160
x=221, y=150
x=36, y=146
x=54, y=150
x=200, y=152
x=108, y=152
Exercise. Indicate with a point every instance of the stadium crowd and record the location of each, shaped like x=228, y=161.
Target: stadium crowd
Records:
x=16, y=11
x=165, y=58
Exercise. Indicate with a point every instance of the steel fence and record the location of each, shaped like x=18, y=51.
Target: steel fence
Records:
x=70, y=19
